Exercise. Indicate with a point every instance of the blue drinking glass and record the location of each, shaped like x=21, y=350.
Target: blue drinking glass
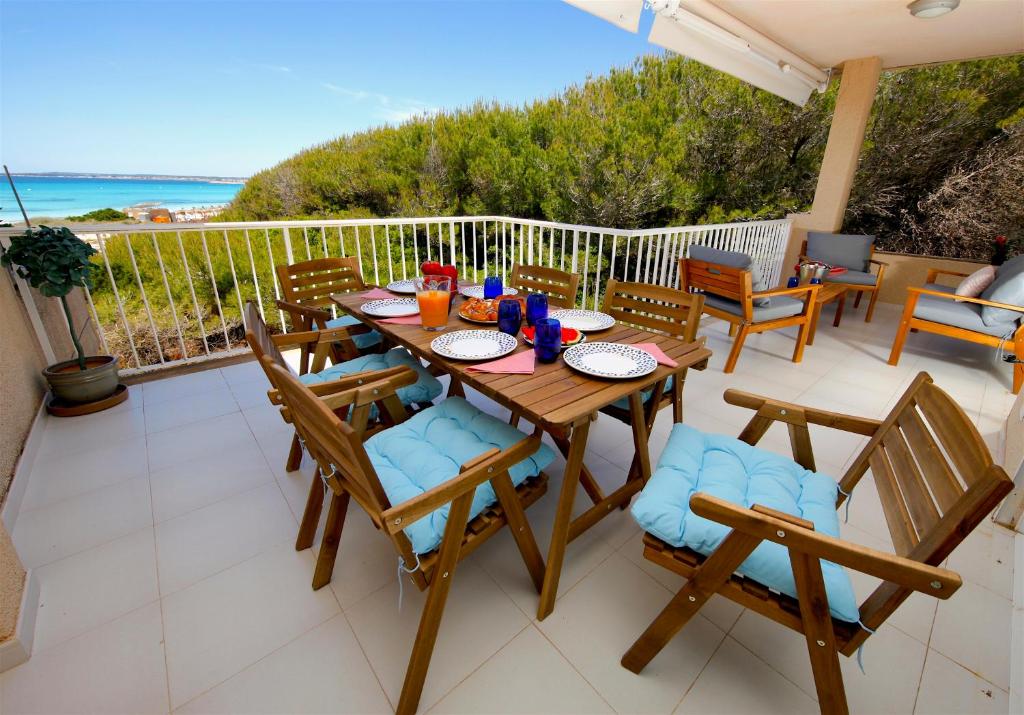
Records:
x=492, y=287
x=547, y=341
x=793, y=282
x=536, y=307
x=510, y=317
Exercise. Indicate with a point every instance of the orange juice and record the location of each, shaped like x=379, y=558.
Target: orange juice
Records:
x=433, y=308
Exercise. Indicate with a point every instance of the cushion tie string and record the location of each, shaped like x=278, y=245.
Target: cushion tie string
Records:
x=860, y=648
x=849, y=498
x=401, y=568
x=325, y=477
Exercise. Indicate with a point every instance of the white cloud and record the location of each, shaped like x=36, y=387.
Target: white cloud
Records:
x=275, y=68
x=391, y=109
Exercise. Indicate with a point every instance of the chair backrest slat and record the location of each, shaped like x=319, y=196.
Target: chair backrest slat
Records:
x=257, y=334
x=897, y=516
x=940, y=477
x=311, y=283
x=725, y=281
x=560, y=286
x=657, y=308
x=966, y=449
x=919, y=501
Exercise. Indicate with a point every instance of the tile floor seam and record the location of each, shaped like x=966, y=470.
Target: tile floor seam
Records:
x=572, y=665
x=268, y=547
x=250, y=665
x=220, y=500
x=369, y=663
x=482, y=663
x=812, y=696
x=692, y=685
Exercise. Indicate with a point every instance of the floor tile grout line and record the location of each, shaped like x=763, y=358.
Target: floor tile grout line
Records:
x=567, y=659
x=692, y=685
x=812, y=696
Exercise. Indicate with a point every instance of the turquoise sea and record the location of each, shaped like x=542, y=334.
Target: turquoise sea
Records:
x=71, y=196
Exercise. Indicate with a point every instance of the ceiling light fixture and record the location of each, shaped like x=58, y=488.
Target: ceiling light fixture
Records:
x=927, y=9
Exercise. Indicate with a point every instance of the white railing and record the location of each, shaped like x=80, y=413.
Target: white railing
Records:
x=169, y=293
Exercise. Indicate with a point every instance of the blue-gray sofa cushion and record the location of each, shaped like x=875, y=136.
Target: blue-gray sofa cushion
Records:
x=428, y=449
x=852, y=251
x=361, y=341
x=423, y=391
x=782, y=306
x=732, y=470
x=1008, y=287
x=958, y=314
x=733, y=259
x=860, y=278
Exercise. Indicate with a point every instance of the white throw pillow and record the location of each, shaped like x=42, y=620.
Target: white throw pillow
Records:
x=974, y=285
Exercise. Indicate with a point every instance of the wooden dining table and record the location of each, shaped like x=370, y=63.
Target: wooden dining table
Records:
x=563, y=403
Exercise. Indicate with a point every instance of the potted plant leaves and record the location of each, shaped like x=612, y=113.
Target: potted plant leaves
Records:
x=55, y=261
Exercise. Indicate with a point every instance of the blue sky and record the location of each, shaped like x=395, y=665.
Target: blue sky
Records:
x=228, y=88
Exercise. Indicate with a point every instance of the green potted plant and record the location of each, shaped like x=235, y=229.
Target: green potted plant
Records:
x=55, y=261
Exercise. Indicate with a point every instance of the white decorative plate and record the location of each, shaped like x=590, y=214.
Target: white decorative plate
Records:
x=478, y=291
x=473, y=344
x=408, y=286
x=611, y=360
x=391, y=307
x=585, y=320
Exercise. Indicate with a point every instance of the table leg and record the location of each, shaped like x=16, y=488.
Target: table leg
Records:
x=839, y=310
x=563, y=518
x=455, y=388
x=815, y=314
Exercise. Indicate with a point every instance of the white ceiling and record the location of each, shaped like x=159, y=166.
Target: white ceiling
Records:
x=828, y=32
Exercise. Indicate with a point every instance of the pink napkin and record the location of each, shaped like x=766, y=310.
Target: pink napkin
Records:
x=377, y=294
x=657, y=353
x=403, y=320
x=519, y=364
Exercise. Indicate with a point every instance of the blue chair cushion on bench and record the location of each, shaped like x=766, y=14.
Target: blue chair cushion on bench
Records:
x=734, y=259
x=1008, y=288
x=729, y=469
x=429, y=448
x=782, y=306
x=424, y=390
x=363, y=340
x=957, y=314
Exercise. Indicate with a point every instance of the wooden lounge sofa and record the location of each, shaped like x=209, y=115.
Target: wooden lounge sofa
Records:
x=729, y=295
x=934, y=308
x=855, y=253
x=936, y=481
x=365, y=472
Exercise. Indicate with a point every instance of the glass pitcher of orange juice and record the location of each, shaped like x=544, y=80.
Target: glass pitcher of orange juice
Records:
x=433, y=294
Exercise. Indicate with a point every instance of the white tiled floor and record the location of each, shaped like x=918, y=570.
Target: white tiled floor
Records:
x=161, y=534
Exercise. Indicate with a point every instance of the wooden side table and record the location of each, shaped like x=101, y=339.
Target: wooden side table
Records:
x=827, y=293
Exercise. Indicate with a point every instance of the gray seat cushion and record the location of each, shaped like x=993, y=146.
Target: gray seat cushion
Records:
x=957, y=314
x=782, y=306
x=851, y=251
x=1008, y=287
x=733, y=259
x=859, y=278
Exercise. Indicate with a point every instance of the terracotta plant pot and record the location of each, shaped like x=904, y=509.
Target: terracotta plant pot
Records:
x=71, y=384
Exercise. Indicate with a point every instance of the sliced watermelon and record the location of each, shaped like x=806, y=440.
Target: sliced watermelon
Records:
x=569, y=335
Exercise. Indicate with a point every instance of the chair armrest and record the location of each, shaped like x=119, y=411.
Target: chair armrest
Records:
x=487, y=466
x=780, y=411
x=877, y=262
x=398, y=376
x=964, y=299
x=794, y=534
x=784, y=291
x=934, y=273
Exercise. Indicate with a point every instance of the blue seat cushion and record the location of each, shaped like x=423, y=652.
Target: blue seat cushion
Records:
x=424, y=390
x=782, y=306
x=361, y=341
x=859, y=278
x=958, y=314
x=429, y=448
x=732, y=470
x=852, y=251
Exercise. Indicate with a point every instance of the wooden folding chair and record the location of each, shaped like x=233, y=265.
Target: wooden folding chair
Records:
x=306, y=290
x=339, y=450
x=559, y=286
x=936, y=481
